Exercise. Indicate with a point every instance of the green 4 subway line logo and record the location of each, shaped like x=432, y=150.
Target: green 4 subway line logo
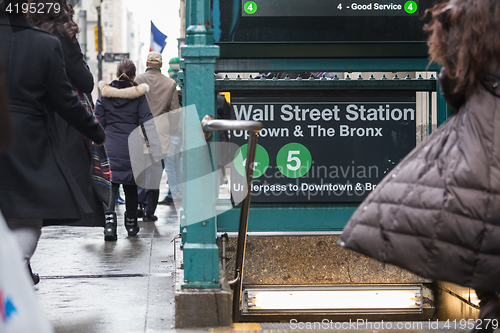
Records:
x=410, y=7
x=259, y=166
x=293, y=160
x=250, y=7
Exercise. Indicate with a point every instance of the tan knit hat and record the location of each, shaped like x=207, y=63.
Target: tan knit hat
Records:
x=154, y=58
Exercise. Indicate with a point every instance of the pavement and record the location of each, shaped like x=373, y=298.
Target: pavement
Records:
x=89, y=285
x=92, y=286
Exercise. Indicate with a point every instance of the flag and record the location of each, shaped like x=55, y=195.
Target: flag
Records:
x=157, y=39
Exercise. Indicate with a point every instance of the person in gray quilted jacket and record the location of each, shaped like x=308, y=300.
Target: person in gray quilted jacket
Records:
x=437, y=213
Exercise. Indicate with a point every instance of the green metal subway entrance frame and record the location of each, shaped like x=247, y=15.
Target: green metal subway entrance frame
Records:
x=201, y=254
x=201, y=58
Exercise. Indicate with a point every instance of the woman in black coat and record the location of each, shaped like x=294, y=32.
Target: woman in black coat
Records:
x=121, y=108
x=36, y=187
x=75, y=149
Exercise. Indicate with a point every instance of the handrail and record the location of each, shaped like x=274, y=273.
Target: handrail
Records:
x=209, y=125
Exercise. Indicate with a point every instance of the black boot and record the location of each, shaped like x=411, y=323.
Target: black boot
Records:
x=131, y=224
x=34, y=277
x=110, y=228
x=140, y=210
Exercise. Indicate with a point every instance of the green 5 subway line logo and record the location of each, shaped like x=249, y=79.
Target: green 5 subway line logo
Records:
x=294, y=160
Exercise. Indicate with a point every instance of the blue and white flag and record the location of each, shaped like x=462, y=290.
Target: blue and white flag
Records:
x=158, y=39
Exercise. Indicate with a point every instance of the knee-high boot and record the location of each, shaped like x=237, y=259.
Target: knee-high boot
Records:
x=131, y=224
x=110, y=227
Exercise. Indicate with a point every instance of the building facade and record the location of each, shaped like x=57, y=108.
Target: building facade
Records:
x=120, y=34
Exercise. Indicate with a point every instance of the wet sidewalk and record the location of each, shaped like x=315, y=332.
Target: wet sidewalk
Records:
x=88, y=285
x=91, y=286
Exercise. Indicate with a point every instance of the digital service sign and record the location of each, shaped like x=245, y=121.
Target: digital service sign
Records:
x=320, y=22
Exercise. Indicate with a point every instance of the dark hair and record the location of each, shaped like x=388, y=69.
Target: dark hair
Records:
x=5, y=122
x=125, y=71
x=465, y=39
x=59, y=23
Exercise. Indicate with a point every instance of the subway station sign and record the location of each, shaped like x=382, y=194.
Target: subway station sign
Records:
x=322, y=147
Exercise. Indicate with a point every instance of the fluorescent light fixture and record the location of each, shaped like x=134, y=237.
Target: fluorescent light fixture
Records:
x=368, y=298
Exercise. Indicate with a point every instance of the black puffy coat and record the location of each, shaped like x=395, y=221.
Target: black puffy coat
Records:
x=34, y=180
x=437, y=213
x=121, y=109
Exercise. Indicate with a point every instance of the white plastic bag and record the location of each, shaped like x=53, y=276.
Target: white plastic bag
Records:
x=20, y=311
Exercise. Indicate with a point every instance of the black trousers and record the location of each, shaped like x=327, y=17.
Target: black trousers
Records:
x=131, y=198
x=149, y=187
x=149, y=199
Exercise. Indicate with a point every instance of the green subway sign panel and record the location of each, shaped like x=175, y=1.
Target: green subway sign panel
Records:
x=322, y=147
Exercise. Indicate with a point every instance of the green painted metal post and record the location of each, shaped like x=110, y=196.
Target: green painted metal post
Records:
x=201, y=255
